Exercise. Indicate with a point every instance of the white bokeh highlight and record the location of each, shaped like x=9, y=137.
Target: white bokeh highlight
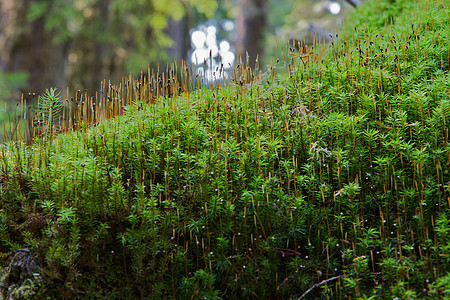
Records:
x=212, y=58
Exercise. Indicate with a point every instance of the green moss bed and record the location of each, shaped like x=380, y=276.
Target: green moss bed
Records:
x=327, y=177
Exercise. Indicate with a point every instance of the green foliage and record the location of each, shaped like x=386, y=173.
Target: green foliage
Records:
x=9, y=111
x=135, y=30
x=376, y=14
x=9, y=82
x=326, y=179
x=47, y=112
x=206, y=7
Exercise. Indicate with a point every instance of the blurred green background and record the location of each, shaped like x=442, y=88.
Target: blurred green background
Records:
x=76, y=44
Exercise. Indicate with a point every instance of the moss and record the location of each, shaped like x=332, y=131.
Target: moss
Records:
x=331, y=166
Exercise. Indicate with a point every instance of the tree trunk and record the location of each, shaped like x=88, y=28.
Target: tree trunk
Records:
x=179, y=33
x=89, y=62
x=251, y=25
x=28, y=47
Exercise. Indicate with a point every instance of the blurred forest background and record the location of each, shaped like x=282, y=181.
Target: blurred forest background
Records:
x=76, y=44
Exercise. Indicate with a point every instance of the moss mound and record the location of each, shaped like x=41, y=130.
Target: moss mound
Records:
x=328, y=179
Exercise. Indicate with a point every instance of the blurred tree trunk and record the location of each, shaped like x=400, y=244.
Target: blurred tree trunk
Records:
x=7, y=20
x=77, y=46
x=178, y=31
x=27, y=46
x=251, y=26
x=90, y=63
x=354, y=3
